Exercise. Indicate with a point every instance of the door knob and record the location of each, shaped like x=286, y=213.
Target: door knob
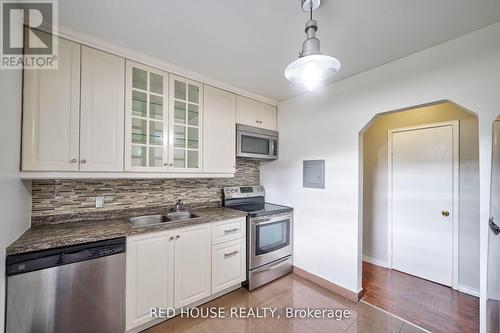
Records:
x=493, y=226
x=445, y=213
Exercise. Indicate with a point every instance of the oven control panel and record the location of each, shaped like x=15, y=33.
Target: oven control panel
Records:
x=244, y=192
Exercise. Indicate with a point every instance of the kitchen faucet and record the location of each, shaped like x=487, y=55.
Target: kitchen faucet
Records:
x=179, y=205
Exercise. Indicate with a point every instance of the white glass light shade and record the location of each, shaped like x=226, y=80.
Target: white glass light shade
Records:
x=312, y=69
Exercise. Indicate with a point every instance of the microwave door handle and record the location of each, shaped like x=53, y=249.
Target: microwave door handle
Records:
x=271, y=147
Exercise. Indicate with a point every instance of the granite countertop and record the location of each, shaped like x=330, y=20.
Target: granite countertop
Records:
x=48, y=236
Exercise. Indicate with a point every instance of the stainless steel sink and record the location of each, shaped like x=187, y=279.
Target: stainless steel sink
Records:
x=147, y=220
x=142, y=221
x=178, y=216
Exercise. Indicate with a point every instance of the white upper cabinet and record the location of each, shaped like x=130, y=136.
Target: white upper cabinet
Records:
x=247, y=111
x=102, y=111
x=186, y=119
x=100, y=115
x=267, y=116
x=253, y=113
x=146, y=119
x=51, y=114
x=219, y=131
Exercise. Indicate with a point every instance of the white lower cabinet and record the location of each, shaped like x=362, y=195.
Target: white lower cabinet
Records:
x=179, y=267
x=228, y=264
x=149, y=281
x=192, y=264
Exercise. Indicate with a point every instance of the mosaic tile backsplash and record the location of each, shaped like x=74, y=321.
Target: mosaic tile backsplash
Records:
x=53, y=197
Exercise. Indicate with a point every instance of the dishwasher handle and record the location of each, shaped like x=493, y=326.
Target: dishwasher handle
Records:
x=91, y=253
x=32, y=265
x=33, y=261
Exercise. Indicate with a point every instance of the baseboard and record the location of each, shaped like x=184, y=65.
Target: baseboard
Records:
x=468, y=290
x=374, y=261
x=350, y=295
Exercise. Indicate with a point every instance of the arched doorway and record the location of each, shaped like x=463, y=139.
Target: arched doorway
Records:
x=406, y=289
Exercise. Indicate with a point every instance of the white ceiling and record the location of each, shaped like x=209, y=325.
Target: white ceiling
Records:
x=248, y=43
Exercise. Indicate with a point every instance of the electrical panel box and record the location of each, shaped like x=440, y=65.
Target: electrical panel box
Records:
x=314, y=174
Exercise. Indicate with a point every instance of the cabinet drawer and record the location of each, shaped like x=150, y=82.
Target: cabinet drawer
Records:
x=228, y=264
x=224, y=231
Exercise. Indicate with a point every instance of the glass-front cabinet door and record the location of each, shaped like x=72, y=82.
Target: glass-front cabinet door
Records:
x=146, y=120
x=186, y=98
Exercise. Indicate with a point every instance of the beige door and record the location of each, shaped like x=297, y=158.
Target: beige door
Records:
x=423, y=180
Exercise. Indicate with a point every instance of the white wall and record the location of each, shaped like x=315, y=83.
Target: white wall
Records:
x=326, y=124
x=376, y=193
x=15, y=195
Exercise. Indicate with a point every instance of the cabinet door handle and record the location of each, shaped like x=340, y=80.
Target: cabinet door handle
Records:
x=231, y=230
x=74, y=160
x=230, y=254
x=83, y=161
x=171, y=237
x=177, y=237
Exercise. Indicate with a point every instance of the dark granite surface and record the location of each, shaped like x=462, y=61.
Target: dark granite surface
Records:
x=42, y=237
x=111, y=214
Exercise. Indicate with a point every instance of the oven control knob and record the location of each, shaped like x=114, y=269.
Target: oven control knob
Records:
x=232, y=190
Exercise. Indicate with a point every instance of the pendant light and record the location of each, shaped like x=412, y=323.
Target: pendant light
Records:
x=311, y=67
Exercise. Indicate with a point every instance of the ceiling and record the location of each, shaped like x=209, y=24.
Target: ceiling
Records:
x=248, y=44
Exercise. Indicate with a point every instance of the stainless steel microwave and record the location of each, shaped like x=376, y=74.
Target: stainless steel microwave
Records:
x=256, y=143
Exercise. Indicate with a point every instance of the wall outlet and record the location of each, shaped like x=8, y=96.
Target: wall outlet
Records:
x=99, y=202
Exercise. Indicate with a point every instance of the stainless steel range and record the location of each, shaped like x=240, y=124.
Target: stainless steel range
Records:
x=269, y=234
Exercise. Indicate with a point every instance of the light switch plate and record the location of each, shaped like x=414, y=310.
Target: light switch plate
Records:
x=99, y=202
x=314, y=174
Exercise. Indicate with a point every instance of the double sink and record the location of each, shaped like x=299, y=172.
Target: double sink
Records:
x=148, y=220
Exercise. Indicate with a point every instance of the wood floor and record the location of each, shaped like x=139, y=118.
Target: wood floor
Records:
x=289, y=291
x=432, y=306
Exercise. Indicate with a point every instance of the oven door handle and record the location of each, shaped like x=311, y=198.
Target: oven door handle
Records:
x=267, y=220
x=273, y=265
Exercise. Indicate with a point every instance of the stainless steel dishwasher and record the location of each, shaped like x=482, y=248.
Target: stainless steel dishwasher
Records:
x=71, y=289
